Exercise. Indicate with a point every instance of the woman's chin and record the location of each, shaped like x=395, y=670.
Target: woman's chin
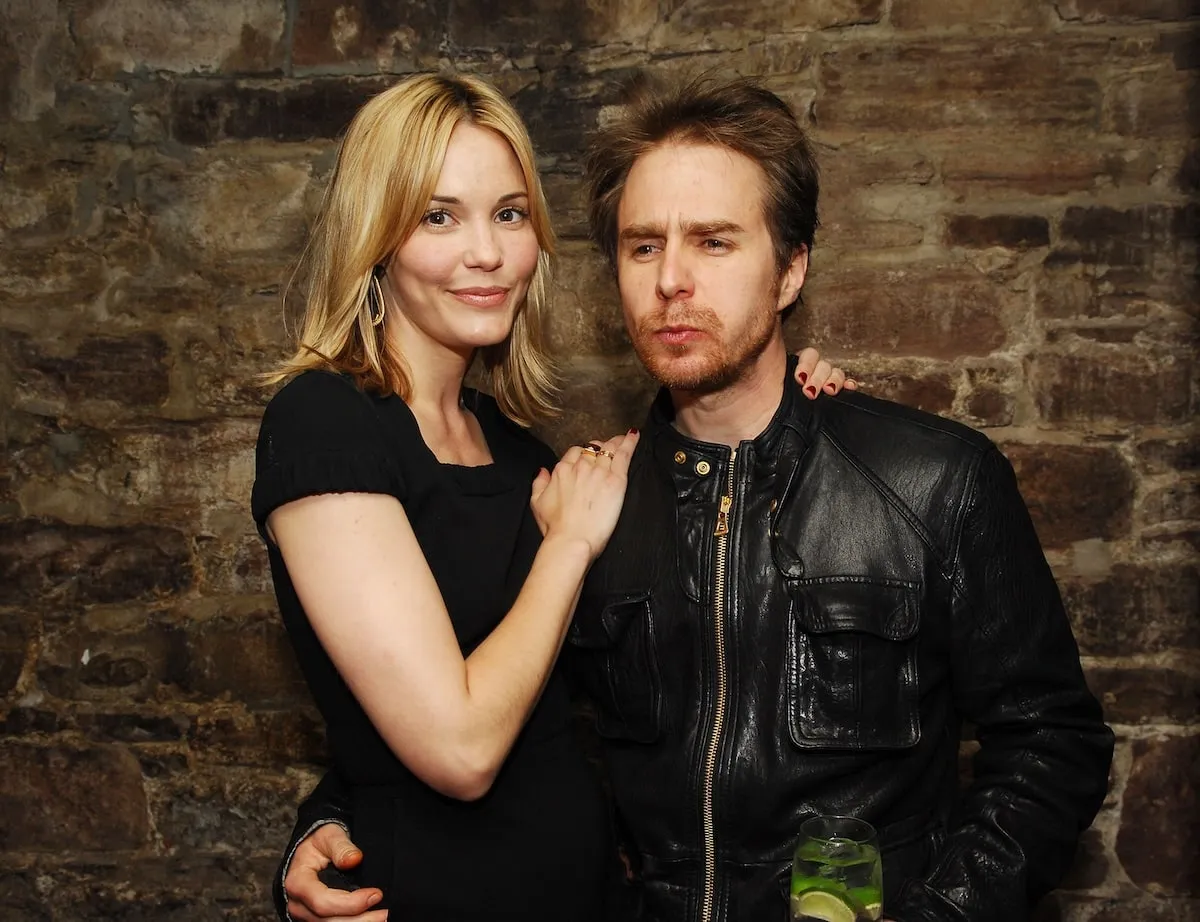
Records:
x=484, y=335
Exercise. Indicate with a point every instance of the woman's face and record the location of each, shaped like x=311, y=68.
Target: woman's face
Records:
x=459, y=279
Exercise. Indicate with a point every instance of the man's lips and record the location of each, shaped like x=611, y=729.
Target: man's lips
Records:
x=678, y=335
x=481, y=297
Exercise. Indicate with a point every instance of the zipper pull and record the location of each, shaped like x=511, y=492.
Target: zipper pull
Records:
x=723, y=516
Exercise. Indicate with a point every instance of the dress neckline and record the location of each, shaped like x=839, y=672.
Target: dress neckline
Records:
x=503, y=474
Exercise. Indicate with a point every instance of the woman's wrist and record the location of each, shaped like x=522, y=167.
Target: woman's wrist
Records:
x=568, y=547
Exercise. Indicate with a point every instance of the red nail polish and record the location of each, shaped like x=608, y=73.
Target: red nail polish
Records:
x=811, y=391
x=633, y=432
x=803, y=376
x=830, y=388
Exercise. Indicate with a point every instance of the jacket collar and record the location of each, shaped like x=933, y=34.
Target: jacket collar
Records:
x=791, y=426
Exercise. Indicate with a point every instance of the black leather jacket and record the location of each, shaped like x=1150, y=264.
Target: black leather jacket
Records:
x=801, y=626
x=813, y=646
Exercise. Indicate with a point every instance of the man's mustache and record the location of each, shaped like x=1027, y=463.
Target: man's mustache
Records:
x=684, y=314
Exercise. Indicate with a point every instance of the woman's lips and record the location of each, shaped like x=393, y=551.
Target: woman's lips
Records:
x=481, y=297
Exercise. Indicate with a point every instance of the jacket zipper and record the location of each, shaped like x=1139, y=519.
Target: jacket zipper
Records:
x=714, y=743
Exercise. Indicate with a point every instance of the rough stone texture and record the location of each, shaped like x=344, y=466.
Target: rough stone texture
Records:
x=1073, y=492
x=936, y=311
x=1009, y=226
x=1014, y=231
x=123, y=36
x=1136, y=609
x=1124, y=385
x=1094, y=11
x=1147, y=695
x=1160, y=830
x=60, y=798
x=221, y=812
x=64, y=565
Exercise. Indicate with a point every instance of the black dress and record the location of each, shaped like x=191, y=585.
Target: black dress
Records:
x=536, y=846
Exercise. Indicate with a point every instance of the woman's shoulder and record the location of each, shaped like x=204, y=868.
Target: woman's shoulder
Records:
x=319, y=411
x=317, y=390
x=320, y=434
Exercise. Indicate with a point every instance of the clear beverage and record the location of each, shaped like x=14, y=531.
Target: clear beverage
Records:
x=837, y=875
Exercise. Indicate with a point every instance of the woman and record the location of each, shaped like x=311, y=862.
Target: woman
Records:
x=425, y=561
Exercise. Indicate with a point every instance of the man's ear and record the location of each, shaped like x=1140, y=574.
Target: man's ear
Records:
x=793, y=277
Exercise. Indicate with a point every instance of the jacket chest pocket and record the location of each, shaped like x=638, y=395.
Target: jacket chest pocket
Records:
x=613, y=655
x=852, y=665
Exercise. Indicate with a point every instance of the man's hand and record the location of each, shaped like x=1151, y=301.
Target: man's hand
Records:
x=309, y=900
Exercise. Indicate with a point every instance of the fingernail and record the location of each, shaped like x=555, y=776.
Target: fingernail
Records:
x=811, y=391
x=829, y=387
x=803, y=376
x=374, y=898
x=633, y=432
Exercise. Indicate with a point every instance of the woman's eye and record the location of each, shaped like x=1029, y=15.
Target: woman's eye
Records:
x=437, y=218
x=511, y=215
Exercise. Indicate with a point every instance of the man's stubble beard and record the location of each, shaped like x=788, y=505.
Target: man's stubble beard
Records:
x=723, y=364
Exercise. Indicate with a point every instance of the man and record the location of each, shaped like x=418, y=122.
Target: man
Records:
x=803, y=601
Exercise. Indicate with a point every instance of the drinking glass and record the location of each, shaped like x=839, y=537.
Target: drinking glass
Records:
x=837, y=875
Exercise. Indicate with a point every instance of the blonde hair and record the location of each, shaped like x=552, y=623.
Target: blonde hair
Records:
x=387, y=168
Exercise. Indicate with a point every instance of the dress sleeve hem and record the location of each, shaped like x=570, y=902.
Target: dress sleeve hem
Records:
x=325, y=472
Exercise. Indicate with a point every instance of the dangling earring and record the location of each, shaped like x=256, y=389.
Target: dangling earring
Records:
x=375, y=303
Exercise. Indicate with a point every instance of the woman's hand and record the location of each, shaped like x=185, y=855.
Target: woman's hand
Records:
x=582, y=499
x=815, y=375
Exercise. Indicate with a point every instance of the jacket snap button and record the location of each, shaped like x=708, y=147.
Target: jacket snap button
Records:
x=703, y=467
x=680, y=457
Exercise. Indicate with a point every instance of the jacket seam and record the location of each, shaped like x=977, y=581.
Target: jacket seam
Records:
x=902, y=508
x=970, y=494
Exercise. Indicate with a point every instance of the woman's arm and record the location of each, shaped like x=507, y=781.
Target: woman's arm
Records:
x=374, y=605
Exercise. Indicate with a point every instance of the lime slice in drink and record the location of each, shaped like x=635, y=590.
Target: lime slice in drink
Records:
x=873, y=910
x=818, y=904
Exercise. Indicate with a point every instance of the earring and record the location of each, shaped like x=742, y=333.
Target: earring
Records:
x=375, y=303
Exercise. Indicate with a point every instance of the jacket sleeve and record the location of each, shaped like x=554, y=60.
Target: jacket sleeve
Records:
x=329, y=802
x=1041, y=771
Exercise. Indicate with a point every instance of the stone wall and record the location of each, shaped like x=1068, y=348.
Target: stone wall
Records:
x=1009, y=239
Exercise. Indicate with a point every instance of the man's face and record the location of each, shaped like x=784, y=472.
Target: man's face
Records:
x=696, y=266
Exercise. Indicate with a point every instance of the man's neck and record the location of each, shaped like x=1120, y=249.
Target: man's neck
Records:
x=742, y=410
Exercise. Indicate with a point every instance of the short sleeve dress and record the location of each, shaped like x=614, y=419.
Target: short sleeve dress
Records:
x=536, y=846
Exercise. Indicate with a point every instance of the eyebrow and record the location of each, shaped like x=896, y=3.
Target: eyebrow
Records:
x=690, y=228
x=451, y=200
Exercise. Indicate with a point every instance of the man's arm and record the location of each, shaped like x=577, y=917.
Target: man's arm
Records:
x=320, y=844
x=1041, y=772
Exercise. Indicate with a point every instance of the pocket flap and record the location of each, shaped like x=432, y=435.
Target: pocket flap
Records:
x=887, y=609
x=601, y=623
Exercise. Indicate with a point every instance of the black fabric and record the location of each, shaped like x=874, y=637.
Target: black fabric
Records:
x=535, y=847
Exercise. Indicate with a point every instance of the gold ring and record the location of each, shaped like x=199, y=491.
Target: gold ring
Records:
x=591, y=450
x=605, y=453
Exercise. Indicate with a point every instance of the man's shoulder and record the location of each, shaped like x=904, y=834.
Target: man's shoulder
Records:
x=871, y=427
x=923, y=464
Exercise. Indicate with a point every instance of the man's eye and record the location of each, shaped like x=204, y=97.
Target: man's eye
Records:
x=714, y=244
x=643, y=249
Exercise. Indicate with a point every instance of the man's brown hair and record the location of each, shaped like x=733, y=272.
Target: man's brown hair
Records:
x=741, y=115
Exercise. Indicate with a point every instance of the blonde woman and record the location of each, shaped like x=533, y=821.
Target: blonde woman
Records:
x=426, y=560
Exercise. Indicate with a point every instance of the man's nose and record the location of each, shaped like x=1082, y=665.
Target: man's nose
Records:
x=483, y=249
x=674, y=274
